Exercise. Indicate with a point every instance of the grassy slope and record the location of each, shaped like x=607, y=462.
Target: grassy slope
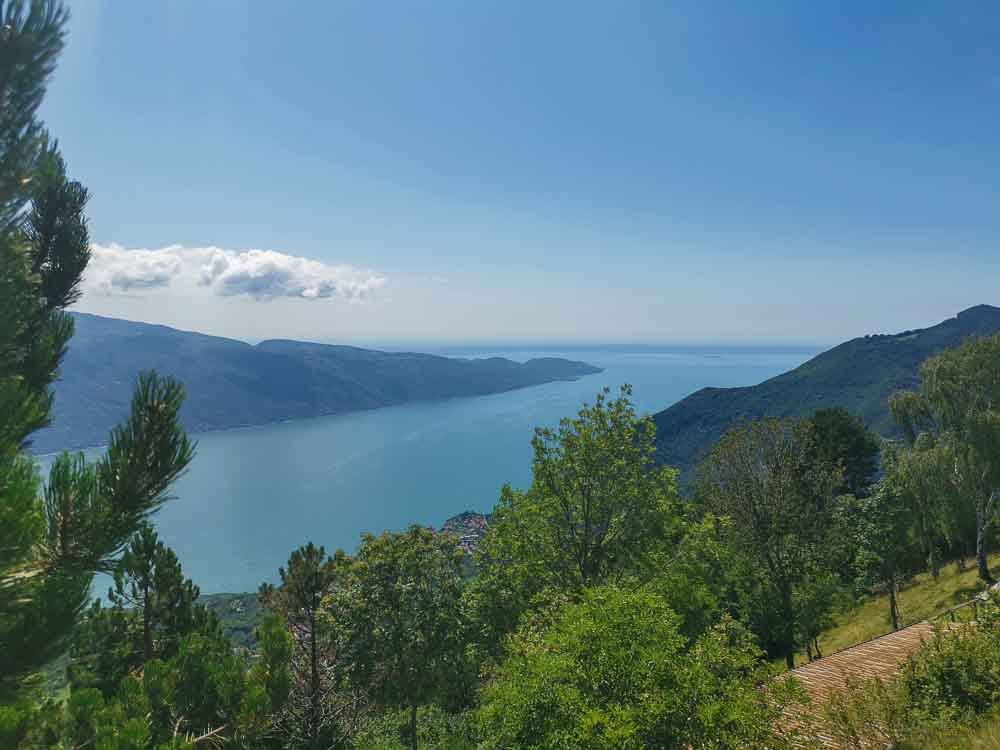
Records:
x=922, y=598
x=984, y=736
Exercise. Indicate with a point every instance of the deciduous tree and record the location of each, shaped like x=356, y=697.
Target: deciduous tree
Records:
x=397, y=612
x=599, y=509
x=764, y=476
x=841, y=439
x=958, y=404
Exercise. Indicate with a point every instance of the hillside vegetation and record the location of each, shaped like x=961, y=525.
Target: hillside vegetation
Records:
x=921, y=599
x=233, y=384
x=858, y=375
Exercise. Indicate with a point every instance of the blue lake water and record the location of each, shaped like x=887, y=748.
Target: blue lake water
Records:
x=252, y=495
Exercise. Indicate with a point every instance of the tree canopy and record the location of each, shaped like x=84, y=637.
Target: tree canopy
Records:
x=958, y=408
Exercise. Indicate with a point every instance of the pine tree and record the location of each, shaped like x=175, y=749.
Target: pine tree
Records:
x=311, y=713
x=149, y=579
x=153, y=608
x=51, y=544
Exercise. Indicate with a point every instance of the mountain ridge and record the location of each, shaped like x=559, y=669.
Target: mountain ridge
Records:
x=859, y=374
x=232, y=383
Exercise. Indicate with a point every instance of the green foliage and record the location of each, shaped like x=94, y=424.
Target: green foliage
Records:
x=615, y=672
x=149, y=579
x=310, y=718
x=950, y=683
x=436, y=730
x=598, y=510
x=956, y=676
x=50, y=547
x=52, y=544
x=56, y=229
x=867, y=714
x=398, y=619
x=883, y=529
x=958, y=407
x=703, y=579
x=239, y=615
x=205, y=692
x=765, y=477
x=841, y=439
x=272, y=669
x=32, y=38
x=858, y=375
x=153, y=608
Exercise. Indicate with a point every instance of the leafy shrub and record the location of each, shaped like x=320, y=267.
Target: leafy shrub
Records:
x=950, y=683
x=956, y=676
x=615, y=672
x=436, y=730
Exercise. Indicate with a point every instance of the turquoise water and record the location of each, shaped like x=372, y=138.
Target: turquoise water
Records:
x=252, y=495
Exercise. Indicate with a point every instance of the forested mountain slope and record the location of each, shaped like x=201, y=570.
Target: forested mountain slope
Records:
x=231, y=383
x=858, y=375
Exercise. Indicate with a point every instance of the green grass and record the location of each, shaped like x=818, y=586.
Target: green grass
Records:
x=985, y=735
x=922, y=598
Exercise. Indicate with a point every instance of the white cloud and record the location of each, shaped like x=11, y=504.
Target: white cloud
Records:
x=259, y=274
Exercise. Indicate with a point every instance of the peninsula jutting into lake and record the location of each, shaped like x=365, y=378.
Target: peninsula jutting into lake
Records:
x=234, y=384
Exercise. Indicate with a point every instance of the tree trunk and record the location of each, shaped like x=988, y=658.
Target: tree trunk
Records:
x=934, y=562
x=413, y=727
x=313, y=685
x=147, y=625
x=789, y=635
x=819, y=653
x=893, y=603
x=982, y=563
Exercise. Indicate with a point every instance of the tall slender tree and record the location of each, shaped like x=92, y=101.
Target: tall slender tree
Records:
x=51, y=545
x=883, y=526
x=307, y=578
x=149, y=581
x=152, y=608
x=958, y=404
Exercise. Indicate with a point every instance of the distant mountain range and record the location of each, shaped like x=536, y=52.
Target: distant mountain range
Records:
x=232, y=384
x=858, y=375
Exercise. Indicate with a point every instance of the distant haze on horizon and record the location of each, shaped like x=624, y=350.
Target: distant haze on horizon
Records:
x=447, y=172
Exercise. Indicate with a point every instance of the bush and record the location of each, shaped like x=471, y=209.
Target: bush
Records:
x=948, y=686
x=436, y=730
x=614, y=671
x=956, y=676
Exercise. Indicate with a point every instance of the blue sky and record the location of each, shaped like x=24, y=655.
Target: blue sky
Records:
x=508, y=171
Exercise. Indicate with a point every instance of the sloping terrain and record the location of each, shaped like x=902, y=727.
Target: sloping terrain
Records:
x=231, y=383
x=881, y=658
x=858, y=375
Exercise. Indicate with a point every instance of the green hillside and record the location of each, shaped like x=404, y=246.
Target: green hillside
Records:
x=858, y=375
x=922, y=598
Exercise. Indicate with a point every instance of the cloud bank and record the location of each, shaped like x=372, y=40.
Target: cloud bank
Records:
x=258, y=274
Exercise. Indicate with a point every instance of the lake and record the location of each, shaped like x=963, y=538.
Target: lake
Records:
x=254, y=494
